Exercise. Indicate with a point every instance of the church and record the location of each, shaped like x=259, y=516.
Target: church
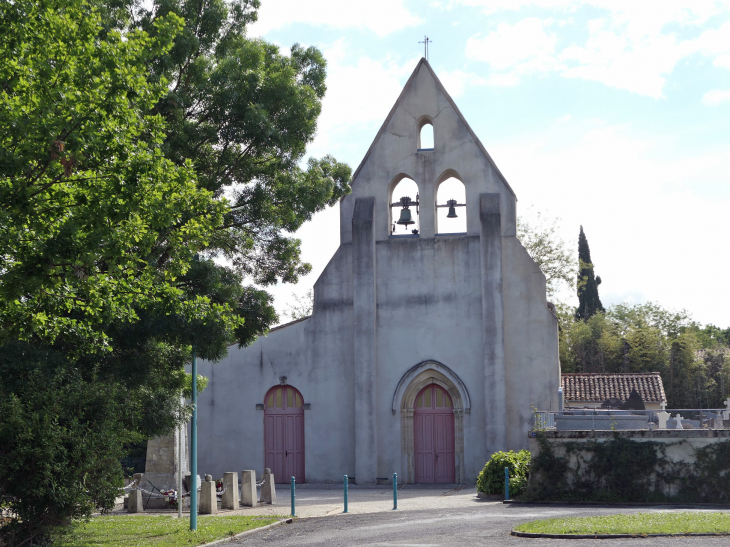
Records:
x=428, y=346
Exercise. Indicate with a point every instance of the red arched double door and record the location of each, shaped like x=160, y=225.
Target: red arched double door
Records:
x=434, y=436
x=284, y=433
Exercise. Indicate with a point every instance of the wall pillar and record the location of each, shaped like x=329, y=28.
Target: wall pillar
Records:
x=364, y=301
x=495, y=409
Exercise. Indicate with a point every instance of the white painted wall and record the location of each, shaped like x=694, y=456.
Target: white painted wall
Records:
x=384, y=305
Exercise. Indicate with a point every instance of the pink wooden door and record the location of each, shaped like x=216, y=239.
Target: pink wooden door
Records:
x=284, y=433
x=434, y=436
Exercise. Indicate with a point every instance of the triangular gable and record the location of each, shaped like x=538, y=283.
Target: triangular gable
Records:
x=442, y=89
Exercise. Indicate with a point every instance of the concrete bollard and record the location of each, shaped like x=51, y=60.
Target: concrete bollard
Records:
x=135, y=505
x=208, y=500
x=268, y=489
x=249, y=498
x=229, y=500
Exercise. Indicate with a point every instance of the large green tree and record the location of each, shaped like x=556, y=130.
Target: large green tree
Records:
x=589, y=302
x=96, y=222
x=243, y=113
x=135, y=141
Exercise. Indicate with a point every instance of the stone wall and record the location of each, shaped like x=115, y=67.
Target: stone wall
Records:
x=649, y=465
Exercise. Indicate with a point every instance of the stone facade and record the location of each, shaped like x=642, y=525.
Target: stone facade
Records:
x=161, y=466
x=393, y=315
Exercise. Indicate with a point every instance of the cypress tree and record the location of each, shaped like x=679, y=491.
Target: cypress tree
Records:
x=588, y=301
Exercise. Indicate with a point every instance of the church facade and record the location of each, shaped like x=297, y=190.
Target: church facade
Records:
x=425, y=351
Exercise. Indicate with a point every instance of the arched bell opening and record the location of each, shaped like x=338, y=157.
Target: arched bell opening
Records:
x=425, y=138
x=411, y=385
x=450, y=205
x=404, y=207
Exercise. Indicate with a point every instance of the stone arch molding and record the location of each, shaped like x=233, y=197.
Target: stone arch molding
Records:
x=426, y=373
x=410, y=385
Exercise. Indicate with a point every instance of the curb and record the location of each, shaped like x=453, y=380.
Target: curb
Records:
x=612, y=536
x=620, y=504
x=247, y=532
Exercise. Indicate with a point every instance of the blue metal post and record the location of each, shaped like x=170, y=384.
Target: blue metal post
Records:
x=345, y=511
x=395, y=491
x=506, y=483
x=194, y=449
x=293, y=495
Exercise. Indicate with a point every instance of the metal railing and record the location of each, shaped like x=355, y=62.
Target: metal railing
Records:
x=601, y=419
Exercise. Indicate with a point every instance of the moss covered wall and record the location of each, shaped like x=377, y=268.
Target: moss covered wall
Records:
x=683, y=466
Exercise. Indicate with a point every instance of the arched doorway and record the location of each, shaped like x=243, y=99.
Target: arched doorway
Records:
x=411, y=384
x=284, y=433
x=434, y=436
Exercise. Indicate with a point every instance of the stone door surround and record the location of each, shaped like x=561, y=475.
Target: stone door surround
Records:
x=410, y=385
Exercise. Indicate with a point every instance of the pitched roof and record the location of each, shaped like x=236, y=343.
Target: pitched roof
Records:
x=595, y=387
x=442, y=89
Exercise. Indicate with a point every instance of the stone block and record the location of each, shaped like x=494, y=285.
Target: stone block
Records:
x=208, y=501
x=248, y=488
x=268, y=489
x=229, y=499
x=135, y=505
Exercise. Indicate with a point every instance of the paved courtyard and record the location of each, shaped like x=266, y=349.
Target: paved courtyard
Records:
x=483, y=524
x=449, y=516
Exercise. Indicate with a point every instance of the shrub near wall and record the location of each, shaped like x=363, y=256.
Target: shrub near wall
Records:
x=623, y=470
x=491, y=479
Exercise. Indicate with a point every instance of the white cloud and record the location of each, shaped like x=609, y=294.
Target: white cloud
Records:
x=629, y=47
x=379, y=16
x=360, y=93
x=626, y=188
x=716, y=96
x=523, y=47
x=456, y=81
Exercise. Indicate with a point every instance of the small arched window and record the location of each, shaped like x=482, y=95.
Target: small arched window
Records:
x=425, y=137
x=404, y=209
x=451, y=207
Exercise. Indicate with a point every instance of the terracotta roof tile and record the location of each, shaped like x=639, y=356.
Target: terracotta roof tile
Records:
x=597, y=387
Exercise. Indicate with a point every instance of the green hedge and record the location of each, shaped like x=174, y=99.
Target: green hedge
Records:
x=491, y=479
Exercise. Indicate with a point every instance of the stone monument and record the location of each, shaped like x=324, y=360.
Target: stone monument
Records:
x=161, y=467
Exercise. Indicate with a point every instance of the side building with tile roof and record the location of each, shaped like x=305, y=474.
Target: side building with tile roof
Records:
x=591, y=390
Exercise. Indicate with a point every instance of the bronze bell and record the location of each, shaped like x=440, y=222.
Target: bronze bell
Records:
x=452, y=210
x=405, y=217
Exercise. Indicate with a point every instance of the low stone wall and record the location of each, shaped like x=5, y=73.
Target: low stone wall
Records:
x=649, y=465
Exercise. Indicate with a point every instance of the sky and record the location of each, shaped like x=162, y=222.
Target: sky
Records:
x=610, y=114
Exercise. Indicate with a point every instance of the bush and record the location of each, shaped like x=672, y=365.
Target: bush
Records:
x=491, y=479
x=61, y=439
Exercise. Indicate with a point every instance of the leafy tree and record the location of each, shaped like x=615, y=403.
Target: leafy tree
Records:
x=648, y=338
x=242, y=113
x=589, y=302
x=96, y=222
x=540, y=238
x=109, y=189
x=302, y=306
x=60, y=442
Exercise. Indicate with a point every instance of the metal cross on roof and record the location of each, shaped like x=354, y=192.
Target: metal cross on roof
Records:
x=425, y=43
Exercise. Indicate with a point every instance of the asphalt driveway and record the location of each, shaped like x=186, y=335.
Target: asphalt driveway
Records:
x=480, y=523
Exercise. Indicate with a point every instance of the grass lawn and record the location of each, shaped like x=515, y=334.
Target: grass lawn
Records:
x=638, y=523
x=143, y=531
